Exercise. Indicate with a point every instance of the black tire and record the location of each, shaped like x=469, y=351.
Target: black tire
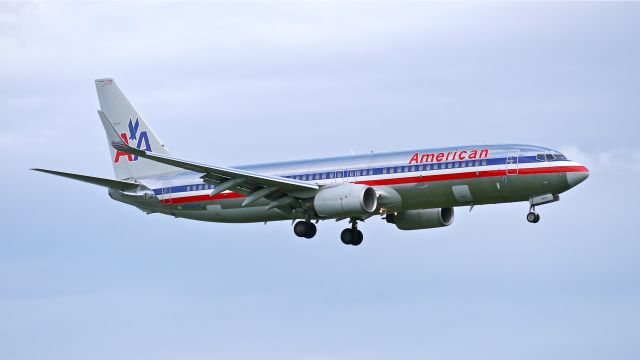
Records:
x=346, y=236
x=531, y=217
x=311, y=230
x=358, y=237
x=537, y=218
x=300, y=228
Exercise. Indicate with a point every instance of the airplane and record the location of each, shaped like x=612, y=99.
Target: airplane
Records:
x=416, y=189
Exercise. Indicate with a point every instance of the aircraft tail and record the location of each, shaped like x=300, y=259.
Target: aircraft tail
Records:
x=133, y=130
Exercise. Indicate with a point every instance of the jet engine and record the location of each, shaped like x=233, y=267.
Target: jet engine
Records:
x=421, y=219
x=345, y=200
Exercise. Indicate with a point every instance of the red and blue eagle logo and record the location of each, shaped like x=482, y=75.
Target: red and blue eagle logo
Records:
x=142, y=139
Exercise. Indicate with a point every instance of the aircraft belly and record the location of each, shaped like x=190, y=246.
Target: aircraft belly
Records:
x=487, y=190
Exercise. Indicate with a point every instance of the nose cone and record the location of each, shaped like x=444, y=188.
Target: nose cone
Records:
x=575, y=178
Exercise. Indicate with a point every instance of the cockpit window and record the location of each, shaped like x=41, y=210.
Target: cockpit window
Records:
x=549, y=157
x=559, y=156
x=540, y=157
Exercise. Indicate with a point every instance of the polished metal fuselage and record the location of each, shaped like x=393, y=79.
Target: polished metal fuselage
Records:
x=404, y=180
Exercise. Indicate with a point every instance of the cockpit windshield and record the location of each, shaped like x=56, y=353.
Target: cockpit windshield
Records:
x=559, y=156
x=556, y=156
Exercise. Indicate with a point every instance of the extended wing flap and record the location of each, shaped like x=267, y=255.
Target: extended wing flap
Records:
x=113, y=184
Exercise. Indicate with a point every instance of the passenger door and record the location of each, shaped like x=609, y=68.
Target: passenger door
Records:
x=512, y=162
x=166, y=193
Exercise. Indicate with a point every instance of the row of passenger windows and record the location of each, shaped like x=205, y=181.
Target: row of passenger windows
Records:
x=369, y=172
x=388, y=170
x=199, y=187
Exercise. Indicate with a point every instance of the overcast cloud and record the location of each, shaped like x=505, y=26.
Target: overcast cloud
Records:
x=234, y=83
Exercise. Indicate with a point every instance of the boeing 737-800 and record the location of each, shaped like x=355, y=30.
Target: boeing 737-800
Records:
x=416, y=189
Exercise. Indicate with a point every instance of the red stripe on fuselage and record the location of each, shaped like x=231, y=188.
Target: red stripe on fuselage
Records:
x=405, y=180
x=197, y=198
x=472, y=174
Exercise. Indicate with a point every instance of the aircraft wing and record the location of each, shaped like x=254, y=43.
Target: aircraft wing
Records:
x=281, y=191
x=113, y=184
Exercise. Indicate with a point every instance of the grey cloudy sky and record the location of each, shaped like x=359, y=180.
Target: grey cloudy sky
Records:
x=234, y=83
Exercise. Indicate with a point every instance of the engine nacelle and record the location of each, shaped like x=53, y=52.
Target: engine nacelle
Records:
x=421, y=219
x=345, y=200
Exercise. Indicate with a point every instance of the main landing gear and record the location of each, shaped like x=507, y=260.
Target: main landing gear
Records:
x=533, y=217
x=305, y=229
x=352, y=236
x=349, y=236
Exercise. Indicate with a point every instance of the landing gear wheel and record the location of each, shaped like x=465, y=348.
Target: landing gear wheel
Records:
x=351, y=237
x=357, y=238
x=311, y=231
x=305, y=229
x=533, y=217
x=346, y=236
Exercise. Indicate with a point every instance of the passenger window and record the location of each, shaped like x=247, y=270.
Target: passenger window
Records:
x=457, y=164
x=470, y=164
x=448, y=165
x=484, y=162
x=427, y=167
x=404, y=169
x=392, y=170
x=384, y=170
x=476, y=163
x=352, y=173
x=463, y=164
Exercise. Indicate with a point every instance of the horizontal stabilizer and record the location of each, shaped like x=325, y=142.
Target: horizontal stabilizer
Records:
x=113, y=184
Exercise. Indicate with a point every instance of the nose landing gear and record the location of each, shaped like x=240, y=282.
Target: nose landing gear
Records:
x=533, y=217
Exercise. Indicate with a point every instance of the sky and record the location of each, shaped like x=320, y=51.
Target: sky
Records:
x=84, y=277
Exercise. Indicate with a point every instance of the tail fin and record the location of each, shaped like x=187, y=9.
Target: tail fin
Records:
x=133, y=130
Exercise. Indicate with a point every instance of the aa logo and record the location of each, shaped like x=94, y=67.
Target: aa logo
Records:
x=141, y=139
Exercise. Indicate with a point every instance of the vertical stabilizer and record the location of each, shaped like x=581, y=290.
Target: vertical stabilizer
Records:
x=133, y=130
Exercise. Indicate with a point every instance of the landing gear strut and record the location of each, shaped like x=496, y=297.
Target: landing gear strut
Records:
x=533, y=217
x=305, y=229
x=352, y=236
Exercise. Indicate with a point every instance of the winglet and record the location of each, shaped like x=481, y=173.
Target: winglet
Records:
x=112, y=135
x=115, y=140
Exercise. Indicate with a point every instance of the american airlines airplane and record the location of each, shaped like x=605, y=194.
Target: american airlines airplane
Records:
x=416, y=189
